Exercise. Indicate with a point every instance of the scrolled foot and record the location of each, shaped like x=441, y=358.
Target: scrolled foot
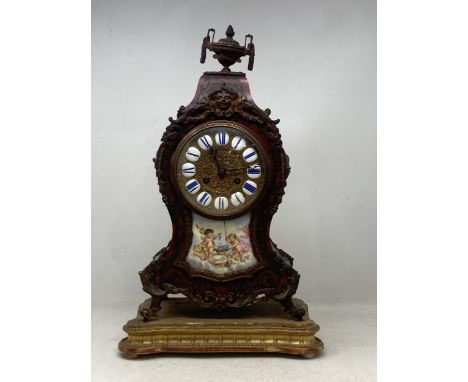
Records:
x=149, y=314
x=296, y=312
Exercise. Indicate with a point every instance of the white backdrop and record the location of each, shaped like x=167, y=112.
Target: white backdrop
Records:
x=315, y=69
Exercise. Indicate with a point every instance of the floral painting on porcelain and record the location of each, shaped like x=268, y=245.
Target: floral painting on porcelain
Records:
x=220, y=246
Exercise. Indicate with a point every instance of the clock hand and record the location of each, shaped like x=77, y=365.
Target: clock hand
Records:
x=237, y=169
x=221, y=171
x=233, y=171
x=213, y=154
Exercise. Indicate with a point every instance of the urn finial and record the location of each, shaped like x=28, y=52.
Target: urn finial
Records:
x=227, y=50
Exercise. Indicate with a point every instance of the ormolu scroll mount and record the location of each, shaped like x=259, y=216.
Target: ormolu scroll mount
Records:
x=227, y=50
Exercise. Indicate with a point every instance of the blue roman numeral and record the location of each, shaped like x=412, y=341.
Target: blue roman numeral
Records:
x=205, y=142
x=249, y=187
x=192, y=185
x=250, y=155
x=204, y=198
x=254, y=170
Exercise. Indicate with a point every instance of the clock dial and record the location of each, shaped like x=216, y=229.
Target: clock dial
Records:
x=216, y=165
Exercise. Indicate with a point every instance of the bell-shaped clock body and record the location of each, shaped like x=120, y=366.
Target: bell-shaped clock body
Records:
x=222, y=170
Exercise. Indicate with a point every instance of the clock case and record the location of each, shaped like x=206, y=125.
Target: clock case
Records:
x=222, y=96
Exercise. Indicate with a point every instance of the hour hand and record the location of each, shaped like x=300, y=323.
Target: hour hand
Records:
x=213, y=154
x=221, y=171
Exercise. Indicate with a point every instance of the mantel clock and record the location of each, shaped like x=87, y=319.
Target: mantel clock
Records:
x=222, y=170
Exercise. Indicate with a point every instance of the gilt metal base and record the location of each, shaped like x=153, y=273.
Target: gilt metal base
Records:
x=183, y=327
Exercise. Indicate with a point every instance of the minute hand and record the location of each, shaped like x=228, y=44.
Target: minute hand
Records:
x=237, y=169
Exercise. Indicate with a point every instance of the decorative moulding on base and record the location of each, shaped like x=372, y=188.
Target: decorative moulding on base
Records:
x=183, y=327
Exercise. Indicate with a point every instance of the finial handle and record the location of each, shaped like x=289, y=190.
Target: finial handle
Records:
x=250, y=51
x=206, y=42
